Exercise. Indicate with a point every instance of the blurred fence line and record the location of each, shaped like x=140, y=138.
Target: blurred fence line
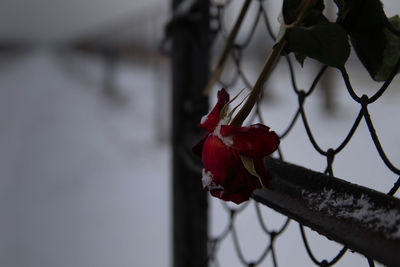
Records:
x=133, y=40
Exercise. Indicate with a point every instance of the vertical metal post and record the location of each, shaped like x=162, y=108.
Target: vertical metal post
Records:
x=190, y=65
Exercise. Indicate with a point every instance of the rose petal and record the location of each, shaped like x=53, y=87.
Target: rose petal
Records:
x=210, y=121
x=240, y=189
x=227, y=171
x=238, y=197
x=256, y=141
x=238, y=186
x=218, y=159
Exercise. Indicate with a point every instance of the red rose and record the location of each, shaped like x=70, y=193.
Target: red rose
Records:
x=233, y=156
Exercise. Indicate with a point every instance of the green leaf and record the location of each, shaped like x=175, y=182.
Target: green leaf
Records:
x=248, y=163
x=300, y=58
x=314, y=17
x=364, y=21
x=391, y=54
x=345, y=6
x=289, y=9
x=326, y=42
x=315, y=37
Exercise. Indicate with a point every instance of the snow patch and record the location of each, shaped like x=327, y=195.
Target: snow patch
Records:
x=360, y=209
x=227, y=140
x=208, y=182
x=203, y=119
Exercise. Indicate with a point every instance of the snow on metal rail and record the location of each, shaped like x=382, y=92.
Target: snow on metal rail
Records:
x=360, y=218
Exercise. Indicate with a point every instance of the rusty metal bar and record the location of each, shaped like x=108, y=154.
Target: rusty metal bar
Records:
x=360, y=218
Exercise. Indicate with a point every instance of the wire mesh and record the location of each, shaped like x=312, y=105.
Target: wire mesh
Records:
x=235, y=74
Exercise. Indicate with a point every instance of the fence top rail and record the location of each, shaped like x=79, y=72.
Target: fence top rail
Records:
x=362, y=219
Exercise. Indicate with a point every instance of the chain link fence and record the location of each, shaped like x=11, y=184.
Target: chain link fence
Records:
x=250, y=48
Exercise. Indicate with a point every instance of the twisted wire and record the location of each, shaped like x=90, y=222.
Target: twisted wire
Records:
x=240, y=75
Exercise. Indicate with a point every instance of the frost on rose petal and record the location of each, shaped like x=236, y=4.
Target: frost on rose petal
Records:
x=207, y=181
x=203, y=119
x=228, y=140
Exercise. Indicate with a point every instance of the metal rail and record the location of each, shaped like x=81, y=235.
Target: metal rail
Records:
x=362, y=219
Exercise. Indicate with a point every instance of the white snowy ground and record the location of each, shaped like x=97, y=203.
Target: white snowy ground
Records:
x=86, y=182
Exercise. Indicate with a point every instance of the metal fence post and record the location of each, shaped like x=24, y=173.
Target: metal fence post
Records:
x=190, y=64
x=110, y=57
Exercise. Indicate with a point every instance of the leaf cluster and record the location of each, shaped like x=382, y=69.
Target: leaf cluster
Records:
x=362, y=22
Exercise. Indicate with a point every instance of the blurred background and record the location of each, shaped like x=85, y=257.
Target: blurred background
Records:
x=85, y=129
x=84, y=158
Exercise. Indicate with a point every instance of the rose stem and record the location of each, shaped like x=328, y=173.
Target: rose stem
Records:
x=267, y=69
x=262, y=78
